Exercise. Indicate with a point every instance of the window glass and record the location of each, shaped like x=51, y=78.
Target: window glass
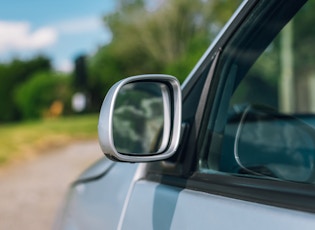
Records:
x=269, y=130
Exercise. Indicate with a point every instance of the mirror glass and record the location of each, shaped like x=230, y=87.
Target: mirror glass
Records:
x=141, y=118
x=275, y=145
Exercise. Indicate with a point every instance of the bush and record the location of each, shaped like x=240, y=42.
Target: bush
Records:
x=12, y=75
x=44, y=94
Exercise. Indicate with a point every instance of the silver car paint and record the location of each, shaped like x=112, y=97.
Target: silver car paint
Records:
x=122, y=200
x=98, y=204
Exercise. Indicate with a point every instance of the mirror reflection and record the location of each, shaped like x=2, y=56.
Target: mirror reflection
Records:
x=139, y=117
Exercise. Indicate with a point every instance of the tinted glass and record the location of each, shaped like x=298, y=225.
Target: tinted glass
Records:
x=269, y=126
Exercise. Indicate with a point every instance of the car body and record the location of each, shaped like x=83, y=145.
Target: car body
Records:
x=236, y=145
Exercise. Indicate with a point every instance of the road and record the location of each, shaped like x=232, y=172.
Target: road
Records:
x=31, y=192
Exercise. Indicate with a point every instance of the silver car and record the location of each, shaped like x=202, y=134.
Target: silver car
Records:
x=233, y=147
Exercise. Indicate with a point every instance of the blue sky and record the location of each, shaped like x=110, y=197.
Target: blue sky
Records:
x=60, y=29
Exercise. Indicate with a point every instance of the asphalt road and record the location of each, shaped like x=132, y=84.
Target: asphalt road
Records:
x=31, y=192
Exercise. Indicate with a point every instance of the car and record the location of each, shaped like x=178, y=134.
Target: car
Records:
x=233, y=147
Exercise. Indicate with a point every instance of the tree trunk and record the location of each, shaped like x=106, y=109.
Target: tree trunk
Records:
x=286, y=85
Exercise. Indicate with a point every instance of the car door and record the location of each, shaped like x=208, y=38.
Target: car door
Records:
x=246, y=158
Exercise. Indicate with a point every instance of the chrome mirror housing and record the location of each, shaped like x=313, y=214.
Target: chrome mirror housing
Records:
x=140, y=119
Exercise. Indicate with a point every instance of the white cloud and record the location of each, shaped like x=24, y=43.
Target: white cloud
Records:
x=18, y=36
x=60, y=40
x=79, y=25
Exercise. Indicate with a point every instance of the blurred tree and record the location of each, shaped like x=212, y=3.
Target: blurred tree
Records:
x=80, y=73
x=167, y=38
x=12, y=75
x=44, y=94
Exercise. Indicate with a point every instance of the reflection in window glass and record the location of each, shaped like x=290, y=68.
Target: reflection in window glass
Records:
x=270, y=127
x=284, y=75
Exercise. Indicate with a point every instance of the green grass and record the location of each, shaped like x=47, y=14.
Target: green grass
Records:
x=24, y=140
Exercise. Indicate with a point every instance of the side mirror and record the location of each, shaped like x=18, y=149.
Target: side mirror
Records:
x=140, y=119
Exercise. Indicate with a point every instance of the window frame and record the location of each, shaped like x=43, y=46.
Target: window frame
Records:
x=285, y=194
x=236, y=51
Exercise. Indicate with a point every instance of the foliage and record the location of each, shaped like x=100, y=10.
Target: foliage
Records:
x=147, y=37
x=168, y=38
x=12, y=75
x=36, y=97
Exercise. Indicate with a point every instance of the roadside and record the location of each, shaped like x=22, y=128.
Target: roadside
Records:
x=31, y=192
x=25, y=140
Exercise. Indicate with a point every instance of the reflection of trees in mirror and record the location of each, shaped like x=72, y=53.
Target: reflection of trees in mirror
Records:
x=137, y=120
x=126, y=129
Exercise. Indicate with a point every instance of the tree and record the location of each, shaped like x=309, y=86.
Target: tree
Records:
x=41, y=94
x=12, y=75
x=286, y=84
x=168, y=39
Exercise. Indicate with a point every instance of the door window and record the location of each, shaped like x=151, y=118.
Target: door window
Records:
x=265, y=121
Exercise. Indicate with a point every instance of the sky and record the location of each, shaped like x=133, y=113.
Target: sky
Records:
x=59, y=29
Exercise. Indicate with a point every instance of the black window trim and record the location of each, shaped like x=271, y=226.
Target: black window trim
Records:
x=289, y=195
x=209, y=58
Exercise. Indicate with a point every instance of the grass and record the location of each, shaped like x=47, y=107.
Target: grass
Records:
x=25, y=140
